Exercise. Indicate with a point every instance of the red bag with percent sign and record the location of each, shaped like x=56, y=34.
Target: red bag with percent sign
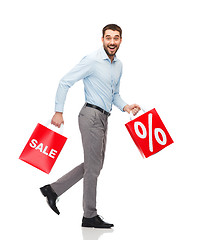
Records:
x=43, y=148
x=149, y=133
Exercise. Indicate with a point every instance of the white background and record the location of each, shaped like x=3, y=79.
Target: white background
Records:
x=154, y=198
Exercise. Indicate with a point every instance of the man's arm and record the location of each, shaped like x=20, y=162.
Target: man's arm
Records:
x=119, y=102
x=80, y=71
x=123, y=106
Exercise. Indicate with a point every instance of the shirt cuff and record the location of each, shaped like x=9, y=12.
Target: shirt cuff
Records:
x=59, y=108
x=120, y=104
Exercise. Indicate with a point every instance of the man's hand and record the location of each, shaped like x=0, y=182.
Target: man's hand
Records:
x=57, y=119
x=134, y=108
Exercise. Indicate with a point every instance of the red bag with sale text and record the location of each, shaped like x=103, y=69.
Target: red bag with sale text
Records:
x=149, y=133
x=43, y=148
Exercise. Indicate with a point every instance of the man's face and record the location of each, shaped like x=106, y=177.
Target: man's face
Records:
x=111, y=42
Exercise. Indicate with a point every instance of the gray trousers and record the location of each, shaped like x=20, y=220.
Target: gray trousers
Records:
x=93, y=128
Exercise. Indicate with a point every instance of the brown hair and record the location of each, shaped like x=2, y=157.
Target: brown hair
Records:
x=113, y=27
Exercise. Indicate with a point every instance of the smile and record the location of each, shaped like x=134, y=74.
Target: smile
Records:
x=112, y=47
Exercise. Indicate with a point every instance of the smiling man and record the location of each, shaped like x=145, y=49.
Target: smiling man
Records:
x=111, y=41
x=101, y=73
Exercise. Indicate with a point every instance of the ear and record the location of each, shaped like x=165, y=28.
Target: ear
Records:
x=102, y=39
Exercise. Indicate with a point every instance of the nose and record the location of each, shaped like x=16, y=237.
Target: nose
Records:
x=112, y=41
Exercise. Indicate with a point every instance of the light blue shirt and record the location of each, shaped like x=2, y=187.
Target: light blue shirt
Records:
x=101, y=80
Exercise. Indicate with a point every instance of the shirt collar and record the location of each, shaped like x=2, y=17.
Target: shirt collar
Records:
x=105, y=56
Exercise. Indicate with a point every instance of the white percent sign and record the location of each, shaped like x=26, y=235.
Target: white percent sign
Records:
x=143, y=135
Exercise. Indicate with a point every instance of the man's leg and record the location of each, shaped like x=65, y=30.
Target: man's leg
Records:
x=93, y=127
x=68, y=180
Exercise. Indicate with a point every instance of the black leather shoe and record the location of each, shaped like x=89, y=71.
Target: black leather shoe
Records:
x=95, y=222
x=48, y=192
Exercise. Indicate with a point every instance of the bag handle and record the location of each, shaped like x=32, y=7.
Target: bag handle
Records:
x=60, y=130
x=132, y=116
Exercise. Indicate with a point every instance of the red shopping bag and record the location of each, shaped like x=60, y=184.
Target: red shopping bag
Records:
x=149, y=133
x=43, y=148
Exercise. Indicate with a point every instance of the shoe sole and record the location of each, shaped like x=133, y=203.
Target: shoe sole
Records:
x=89, y=226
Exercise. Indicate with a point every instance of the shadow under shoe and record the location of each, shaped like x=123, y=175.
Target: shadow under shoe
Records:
x=51, y=196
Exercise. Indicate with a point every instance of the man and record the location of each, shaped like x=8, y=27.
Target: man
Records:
x=101, y=72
